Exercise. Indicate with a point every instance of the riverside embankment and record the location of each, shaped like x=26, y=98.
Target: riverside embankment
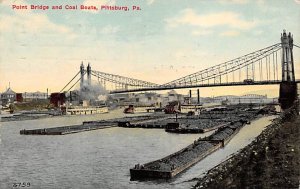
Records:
x=270, y=161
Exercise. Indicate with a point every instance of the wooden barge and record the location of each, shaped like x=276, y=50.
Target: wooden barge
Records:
x=23, y=117
x=174, y=127
x=68, y=129
x=171, y=125
x=145, y=171
x=169, y=167
x=88, y=126
x=155, y=122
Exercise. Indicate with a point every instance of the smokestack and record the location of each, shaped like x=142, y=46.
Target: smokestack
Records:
x=198, y=96
x=89, y=70
x=71, y=96
x=190, y=95
x=81, y=75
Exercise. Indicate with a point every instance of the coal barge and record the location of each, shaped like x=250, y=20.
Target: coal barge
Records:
x=90, y=125
x=174, y=164
x=177, y=162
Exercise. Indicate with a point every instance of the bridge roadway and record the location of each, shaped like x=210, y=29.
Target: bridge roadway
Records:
x=160, y=88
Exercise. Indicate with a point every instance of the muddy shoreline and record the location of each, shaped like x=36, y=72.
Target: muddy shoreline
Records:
x=270, y=161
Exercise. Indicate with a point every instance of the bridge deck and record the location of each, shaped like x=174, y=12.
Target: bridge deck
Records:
x=159, y=88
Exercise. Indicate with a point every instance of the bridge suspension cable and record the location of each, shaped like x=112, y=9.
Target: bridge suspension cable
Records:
x=296, y=46
x=121, y=80
x=215, y=72
x=76, y=82
x=69, y=82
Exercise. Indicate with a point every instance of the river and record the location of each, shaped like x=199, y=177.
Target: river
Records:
x=100, y=158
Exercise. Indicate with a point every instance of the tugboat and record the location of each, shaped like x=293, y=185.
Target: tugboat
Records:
x=129, y=110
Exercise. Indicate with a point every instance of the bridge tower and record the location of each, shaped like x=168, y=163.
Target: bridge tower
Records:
x=288, y=87
x=89, y=71
x=81, y=76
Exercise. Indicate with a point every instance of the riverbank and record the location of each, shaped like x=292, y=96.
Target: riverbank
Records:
x=271, y=161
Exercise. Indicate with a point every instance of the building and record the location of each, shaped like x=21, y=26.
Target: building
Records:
x=19, y=97
x=121, y=99
x=171, y=96
x=249, y=98
x=34, y=95
x=9, y=96
x=57, y=99
x=147, y=99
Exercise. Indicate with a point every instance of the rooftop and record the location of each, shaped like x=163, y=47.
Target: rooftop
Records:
x=9, y=91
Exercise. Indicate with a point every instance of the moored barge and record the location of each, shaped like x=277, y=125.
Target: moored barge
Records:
x=179, y=161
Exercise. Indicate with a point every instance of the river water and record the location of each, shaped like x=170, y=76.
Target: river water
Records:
x=100, y=158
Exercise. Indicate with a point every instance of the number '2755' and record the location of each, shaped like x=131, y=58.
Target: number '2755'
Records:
x=21, y=184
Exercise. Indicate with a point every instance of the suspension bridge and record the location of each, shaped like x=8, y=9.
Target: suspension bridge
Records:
x=272, y=65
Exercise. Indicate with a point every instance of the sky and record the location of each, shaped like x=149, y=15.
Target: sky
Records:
x=163, y=41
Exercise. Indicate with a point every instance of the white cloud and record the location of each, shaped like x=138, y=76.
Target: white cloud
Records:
x=229, y=19
x=297, y=1
x=260, y=2
x=110, y=29
x=149, y=2
x=234, y=1
x=258, y=32
x=24, y=24
x=25, y=21
x=201, y=32
x=230, y=33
